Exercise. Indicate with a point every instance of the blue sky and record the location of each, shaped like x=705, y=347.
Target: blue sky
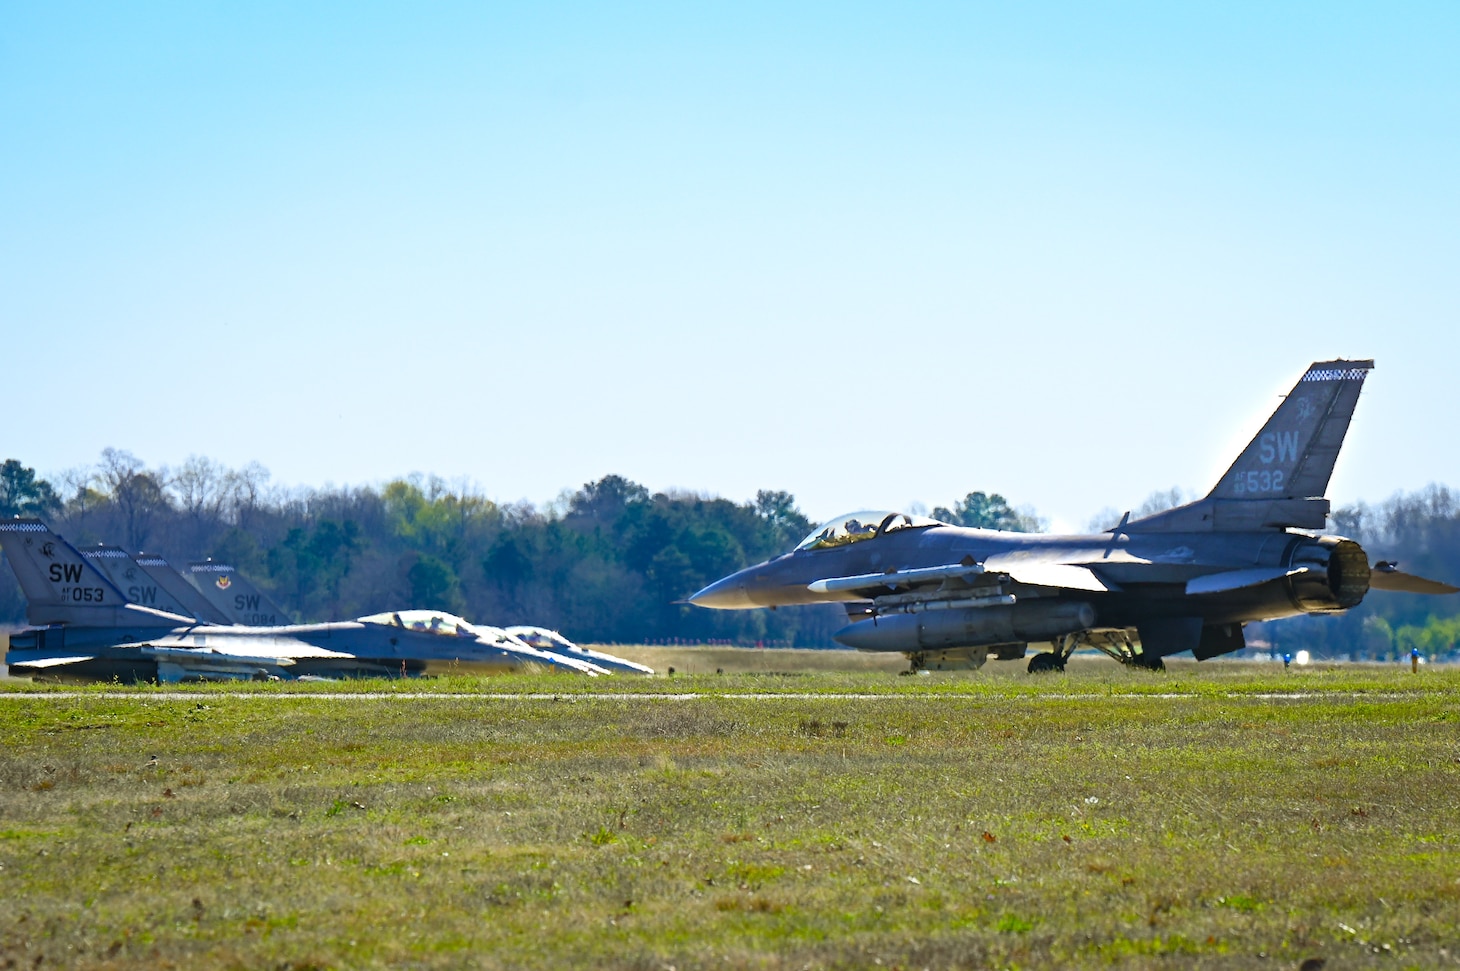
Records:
x=872, y=256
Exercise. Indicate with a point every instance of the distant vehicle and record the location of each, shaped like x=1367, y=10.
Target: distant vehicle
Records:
x=1187, y=579
x=555, y=643
x=85, y=628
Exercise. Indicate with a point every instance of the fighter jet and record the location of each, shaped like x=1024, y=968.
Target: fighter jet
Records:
x=84, y=628
x=1187, y=579
x=555, y=643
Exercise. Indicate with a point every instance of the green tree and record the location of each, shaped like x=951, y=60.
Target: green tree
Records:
x=602, y=502
x=434, y=585
x=786, y=523
x=22, y=494
x=980, y=510
x=316, y=560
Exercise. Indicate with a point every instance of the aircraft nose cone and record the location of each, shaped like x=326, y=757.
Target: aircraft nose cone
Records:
x=726, y=594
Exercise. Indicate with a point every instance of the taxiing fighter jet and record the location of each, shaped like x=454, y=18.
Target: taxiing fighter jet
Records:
x=84, y=627
x=1187, y=579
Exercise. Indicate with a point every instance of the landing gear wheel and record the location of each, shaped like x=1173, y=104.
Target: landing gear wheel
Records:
x=1149, y=662
x=1046, y=662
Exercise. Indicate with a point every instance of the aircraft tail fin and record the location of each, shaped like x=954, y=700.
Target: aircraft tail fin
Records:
x=118, y=566
x=1292, y=457
x=166, y=576
x=1281, y=476
x=233, y=594
x=62, y=587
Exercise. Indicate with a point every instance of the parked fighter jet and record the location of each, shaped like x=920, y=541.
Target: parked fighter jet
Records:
x=1187, y=579
x=555, y=643
x=85, y=628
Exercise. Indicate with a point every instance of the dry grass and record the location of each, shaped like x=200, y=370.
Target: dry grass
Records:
x=1013, y=827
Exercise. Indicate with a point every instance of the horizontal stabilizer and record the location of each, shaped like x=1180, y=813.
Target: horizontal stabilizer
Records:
x=1385, y=576
x=1239, y=579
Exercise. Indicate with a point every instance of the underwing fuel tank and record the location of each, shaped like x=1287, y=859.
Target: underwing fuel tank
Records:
x=1030, y=620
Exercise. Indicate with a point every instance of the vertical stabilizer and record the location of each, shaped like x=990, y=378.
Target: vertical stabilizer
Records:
x=1293, y=455
x=1279, y=479
x=232, y=593
x=165, y=576
x=117, y=565
x=62, y=587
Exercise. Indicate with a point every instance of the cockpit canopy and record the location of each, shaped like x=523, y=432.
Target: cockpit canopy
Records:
x=857, y=526
x=542, y=638
x=426, y=621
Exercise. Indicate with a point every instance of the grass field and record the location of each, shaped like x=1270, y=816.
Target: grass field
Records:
x=1216, y=817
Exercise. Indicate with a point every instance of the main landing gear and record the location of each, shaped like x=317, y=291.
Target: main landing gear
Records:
x=1147, y=661
x=1117, y=643
x=1054, y=660
x=1045, y=662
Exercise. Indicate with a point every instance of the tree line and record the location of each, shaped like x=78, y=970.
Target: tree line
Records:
x=606, y=563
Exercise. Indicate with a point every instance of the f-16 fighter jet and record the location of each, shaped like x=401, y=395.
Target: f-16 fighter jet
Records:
x=555, y=643
x=85, y=628
x=1187, y=579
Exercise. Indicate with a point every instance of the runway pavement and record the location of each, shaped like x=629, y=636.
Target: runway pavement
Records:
x=679, y=696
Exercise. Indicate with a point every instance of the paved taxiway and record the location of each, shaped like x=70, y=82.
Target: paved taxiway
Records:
x=681, y=696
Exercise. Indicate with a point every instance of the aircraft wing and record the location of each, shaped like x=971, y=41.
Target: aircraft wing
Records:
x=41, y=660
x=261, y=649
x=176, y=661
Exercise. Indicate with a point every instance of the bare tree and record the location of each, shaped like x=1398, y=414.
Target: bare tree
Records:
x=202, y=489
x=135, y=491
x=1160, y=501
x=78, y=493
x=247, y=490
